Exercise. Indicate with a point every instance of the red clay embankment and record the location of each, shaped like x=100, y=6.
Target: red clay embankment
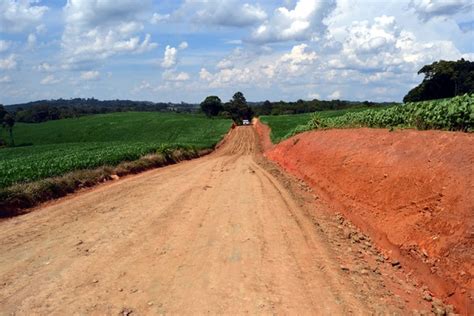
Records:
x=412, y=191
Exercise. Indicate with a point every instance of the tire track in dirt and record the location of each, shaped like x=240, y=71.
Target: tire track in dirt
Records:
x=219, y=234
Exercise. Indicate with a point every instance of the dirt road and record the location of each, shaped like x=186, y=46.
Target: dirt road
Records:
x=220, y=234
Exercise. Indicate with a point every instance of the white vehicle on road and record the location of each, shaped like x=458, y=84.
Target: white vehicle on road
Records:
x=245, y=122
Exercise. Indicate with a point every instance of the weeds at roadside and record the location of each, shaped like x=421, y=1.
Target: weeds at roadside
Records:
x=16, y=199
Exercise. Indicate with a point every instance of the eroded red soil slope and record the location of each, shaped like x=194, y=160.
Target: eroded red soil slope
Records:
x=411, y=190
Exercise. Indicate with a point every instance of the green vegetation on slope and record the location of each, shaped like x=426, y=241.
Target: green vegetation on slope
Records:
x=282, y=126
x=154, y=127
x=455, y=114
x=88, y=142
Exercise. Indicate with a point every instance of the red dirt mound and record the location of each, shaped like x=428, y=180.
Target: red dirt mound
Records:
x=411, y=190
x=263, y=132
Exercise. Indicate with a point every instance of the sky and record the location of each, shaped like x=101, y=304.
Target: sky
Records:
x=174, y=51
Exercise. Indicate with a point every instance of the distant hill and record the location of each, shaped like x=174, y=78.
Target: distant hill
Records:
x=46, y=110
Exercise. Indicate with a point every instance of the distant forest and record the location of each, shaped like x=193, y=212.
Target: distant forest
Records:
x=443, y=79
x=301, y=106
x=46, y=110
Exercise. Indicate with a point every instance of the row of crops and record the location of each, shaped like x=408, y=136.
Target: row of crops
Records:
x=455, y=114
x=54, y=148
x=281, y=125
x=25, y=165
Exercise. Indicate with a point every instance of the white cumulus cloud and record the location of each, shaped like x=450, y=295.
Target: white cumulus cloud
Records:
x=158, y=18
x=44, y=67
x=225, y=63
x=299, y=54
x=144, y=85
x=171, y=75
x=304, y=22
x=97, y=29
x=224, y=12
x=428, y=9
x=8, y=62
x=41, y=29
x=314, y=95
x=19, y=15
x=90, y=75
x=335, y=95
x=204, y=74
x=49, y=80
x=382, y=45
x=5, y=79
x=4, y=46
x=31, y=40
x=170, y=57
x=244, y=68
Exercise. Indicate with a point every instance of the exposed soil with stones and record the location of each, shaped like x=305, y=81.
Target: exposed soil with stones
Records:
x=226, y=233
x=411, y=191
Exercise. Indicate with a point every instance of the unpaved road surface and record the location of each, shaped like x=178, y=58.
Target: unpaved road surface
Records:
x=411, y=191
x=220, y=234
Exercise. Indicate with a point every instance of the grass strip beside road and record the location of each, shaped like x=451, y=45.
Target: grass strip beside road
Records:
x=58, y=157
x=282, y=125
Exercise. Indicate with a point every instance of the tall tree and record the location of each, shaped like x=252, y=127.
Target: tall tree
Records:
x=211, y=106
x=266, y=108
x=8, y=123
x=239, y=109
x=3, y=112
x=443, y=79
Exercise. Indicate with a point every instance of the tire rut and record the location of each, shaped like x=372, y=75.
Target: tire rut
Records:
x=219, y=234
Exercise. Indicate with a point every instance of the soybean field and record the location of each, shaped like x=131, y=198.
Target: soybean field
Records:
x=57, y=147
x=283, y=125
x=453, y=114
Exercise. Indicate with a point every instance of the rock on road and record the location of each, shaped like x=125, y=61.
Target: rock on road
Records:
x=219, y=234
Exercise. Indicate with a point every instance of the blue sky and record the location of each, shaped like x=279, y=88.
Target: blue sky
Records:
x=185, y=50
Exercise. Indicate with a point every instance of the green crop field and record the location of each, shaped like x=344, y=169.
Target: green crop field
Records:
x=454, y=114
x=56, y=147
x=283, y=125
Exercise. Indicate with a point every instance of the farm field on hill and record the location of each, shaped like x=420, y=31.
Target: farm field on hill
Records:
x=57, y=147
x=447, y=114
x=156, y=127
x=282, y=125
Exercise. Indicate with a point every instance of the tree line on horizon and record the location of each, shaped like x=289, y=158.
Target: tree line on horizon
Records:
x=442, y=79
x=48, y=110
x=212, y=106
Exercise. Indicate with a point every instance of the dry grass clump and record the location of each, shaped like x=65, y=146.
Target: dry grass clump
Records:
x=15, y=200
